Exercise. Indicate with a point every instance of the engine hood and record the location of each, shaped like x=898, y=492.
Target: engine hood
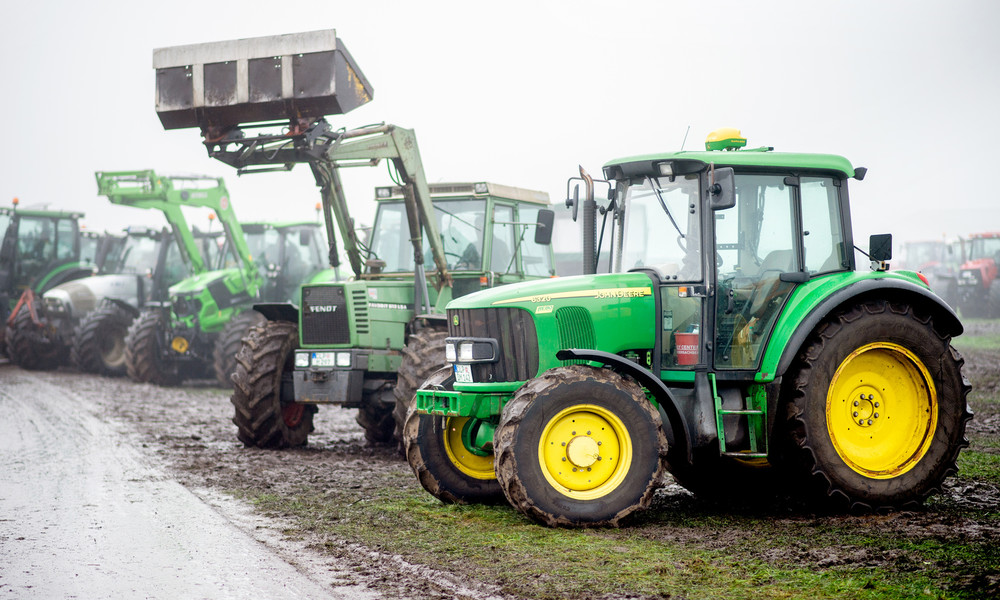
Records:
x=83, y=295
x=614, y=285
x=197, y=283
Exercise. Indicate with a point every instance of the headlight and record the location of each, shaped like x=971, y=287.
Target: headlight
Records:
x=55, y=305
x=471, y=350
x=968, y=277
x=186, y=305
x=323, y=359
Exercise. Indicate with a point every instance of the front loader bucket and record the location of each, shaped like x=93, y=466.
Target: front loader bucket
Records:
x=218, y=85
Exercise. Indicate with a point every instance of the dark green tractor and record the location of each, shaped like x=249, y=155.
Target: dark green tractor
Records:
x=39, y=249
x=734, y=344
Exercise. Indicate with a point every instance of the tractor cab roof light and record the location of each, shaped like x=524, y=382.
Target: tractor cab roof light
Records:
x=383, y=192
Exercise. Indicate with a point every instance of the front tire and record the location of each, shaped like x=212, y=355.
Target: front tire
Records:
x=99, y=341
x=30, y=348
x=443, y=465
x=422, y=357
x=877, y=412
x=228, y=344
x=263, y=417
x=144, y=360
x=579, y=446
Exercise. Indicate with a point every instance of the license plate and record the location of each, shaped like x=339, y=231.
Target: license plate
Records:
x=463, y=373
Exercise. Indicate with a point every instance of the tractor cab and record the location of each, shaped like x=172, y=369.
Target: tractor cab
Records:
x=287, y=255
x=726, y=236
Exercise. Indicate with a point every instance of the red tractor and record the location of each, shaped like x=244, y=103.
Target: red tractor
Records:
x=978, y=285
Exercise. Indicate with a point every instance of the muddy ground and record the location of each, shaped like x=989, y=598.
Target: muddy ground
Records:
x=188, y=431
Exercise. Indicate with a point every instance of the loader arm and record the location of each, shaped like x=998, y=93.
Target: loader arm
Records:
x=144, y=189
x=327, y=152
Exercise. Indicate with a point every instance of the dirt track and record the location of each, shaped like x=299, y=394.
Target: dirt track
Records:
x=187, y=434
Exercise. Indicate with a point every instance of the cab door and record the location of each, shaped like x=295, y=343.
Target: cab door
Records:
x=782, y=231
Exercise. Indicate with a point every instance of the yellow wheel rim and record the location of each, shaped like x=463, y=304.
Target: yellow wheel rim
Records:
x=473, y=465
x=585, y=452
x=881, y=410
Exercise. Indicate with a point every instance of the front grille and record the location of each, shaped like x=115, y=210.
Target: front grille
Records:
x=576, y=330
x=359, y=300
x=324, y=315
x=514, y=331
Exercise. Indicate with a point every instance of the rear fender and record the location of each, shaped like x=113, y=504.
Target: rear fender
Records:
x=894, y=290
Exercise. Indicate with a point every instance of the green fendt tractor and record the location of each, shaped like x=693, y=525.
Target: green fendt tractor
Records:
x=39, y=250
x=91, y=315
x=733, y=345
x=369, y=342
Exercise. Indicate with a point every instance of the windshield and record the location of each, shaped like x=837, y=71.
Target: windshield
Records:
x=88, y=249
x=302, y=256
x=662, y=228
x=460, y=225
x=139, y=254
x=984, y=248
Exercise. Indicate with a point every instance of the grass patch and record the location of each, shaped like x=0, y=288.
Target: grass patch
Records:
x=982, y=466
x=684, y=551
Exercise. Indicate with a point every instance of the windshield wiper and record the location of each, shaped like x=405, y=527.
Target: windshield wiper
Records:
x=663, y=205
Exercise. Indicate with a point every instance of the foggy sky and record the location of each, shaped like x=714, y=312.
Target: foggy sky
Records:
x=521, y=93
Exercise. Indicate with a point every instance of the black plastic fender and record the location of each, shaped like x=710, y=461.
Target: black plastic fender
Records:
x=278, y=311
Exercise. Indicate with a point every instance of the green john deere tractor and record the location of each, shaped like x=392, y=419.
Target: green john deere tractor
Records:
x=734, y=344
x=370, y=342
x=39, y=250
x=91, y=315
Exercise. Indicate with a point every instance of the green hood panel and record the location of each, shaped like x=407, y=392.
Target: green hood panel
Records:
x=197, y=283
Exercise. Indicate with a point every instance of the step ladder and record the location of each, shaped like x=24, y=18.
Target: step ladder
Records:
x=756, y=413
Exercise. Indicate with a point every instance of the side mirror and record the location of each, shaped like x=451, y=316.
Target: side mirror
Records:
x=880, y=247
x=543, y=226
x=574, y=202
x=721, y=189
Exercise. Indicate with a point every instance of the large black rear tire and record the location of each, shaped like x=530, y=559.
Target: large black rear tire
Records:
x=876, y=413
x=99, y=340
x=579, y=446
x=228, y=344
x=144, y=360
x=444, y=467
x=264, y=418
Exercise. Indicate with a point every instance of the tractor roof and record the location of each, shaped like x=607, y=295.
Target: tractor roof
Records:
x=765, y=158
x=726, y=147
x=470, y=191
x=41, y=213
